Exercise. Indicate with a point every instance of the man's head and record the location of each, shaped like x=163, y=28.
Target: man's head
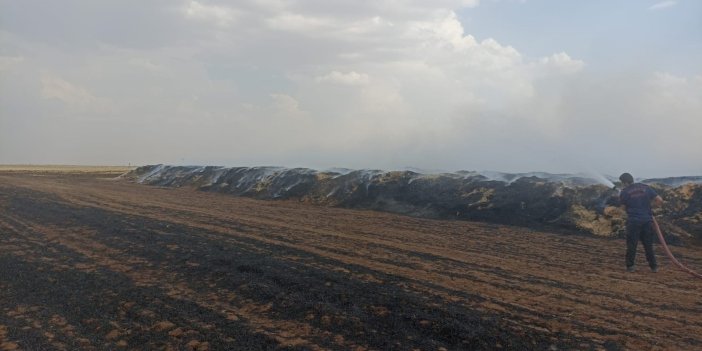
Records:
x=626, y=178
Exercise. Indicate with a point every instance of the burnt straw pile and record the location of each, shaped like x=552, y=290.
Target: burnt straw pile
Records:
x=557, y=201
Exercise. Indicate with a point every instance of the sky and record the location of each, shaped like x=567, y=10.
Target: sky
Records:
x=560, y=86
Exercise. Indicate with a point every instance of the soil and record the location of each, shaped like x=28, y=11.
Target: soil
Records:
x=93, y=263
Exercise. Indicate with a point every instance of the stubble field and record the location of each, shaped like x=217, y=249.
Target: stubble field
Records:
x=90, y=262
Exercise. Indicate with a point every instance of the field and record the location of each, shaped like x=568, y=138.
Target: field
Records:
x=90, y=262
x=65, y=169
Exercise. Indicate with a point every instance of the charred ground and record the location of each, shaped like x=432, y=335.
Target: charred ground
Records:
x=92, y=263
x=554, y=202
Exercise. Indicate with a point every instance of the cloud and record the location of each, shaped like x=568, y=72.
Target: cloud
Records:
x=350, y=78
x=220, y=15
x=563, y=62
x=145, y=64
x=54, y=87
x=74, y=98
x=662, y=5
x=294, y=22
x=365, y=84
x=286, y=105
x=8, y=62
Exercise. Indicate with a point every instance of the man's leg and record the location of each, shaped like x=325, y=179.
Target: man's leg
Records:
x=632, y=240
x=647, y=240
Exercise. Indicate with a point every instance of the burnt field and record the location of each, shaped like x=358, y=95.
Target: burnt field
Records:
x=88, y=262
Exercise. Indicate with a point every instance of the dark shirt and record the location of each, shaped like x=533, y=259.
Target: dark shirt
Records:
x=637, y=199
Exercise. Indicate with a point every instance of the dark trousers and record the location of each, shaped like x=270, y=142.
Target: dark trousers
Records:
x=636, y=231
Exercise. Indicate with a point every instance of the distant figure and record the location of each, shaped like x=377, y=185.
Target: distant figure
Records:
x=637, y=198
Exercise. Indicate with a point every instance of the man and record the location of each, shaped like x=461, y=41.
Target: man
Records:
x=637, y=198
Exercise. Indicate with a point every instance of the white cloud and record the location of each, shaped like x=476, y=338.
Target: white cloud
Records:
x=146, y=64
x=421, y=4
x=8, y=62
x=222, y=16
x=54, y=87
x=74, y=97
x=350, y=78
x=295, y=22
x=674, y=99
x=381, y=84
x=272, y=5
x=286, y=105
x=432, y=84
x=563, y=62
x=663, y=5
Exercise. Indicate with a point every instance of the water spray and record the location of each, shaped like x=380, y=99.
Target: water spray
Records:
x=599, y=178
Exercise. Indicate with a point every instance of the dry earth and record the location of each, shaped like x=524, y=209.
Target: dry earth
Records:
x=65, y=169
x=88, y=262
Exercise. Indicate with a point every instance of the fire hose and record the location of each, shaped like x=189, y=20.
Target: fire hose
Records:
x=670, y=254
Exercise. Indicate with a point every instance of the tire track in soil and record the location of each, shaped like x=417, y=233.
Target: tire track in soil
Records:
x=530, y=289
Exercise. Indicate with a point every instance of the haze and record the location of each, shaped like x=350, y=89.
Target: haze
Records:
x=556, y=86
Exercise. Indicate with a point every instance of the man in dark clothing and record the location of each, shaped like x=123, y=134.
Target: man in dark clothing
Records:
x=637, y=199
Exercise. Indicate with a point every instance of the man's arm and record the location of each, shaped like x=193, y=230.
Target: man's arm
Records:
x=657, y=201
